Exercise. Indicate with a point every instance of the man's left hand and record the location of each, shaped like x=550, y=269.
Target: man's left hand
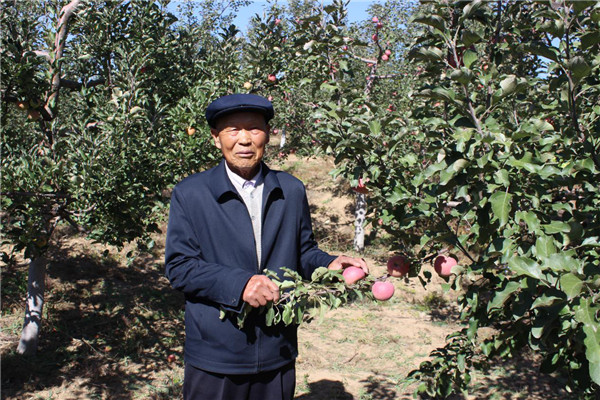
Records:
x=344, y=262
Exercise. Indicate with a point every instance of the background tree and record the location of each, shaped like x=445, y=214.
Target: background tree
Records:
x=100, y=129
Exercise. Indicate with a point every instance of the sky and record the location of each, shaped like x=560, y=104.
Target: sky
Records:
x=357, y=11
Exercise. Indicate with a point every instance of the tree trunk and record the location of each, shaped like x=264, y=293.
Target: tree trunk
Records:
x=359, y=219
x=35, y=303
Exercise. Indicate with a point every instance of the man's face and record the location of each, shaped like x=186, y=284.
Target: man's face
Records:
x=242, y=137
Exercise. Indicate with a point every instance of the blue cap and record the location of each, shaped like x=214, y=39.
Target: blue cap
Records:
x=238, y=103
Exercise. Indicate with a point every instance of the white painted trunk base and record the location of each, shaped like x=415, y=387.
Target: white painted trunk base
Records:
x=35, y=304
x=359, y=220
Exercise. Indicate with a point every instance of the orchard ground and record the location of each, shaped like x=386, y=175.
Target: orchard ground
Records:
x=113, y=328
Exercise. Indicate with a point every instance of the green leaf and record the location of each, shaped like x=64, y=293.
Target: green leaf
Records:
x=318, y=274
x=501, y=206
x=270, y=316
x=542, y=50
x=500, y=297
x=375, y=127
x=531, y=219
x=469, y=57
x=560, y=262
x=525, y=266
x=427, y=53
x=579, y=67
x=434, y=21
x=460, y=362
x=571, y=285
x=288, y=314
x=471, y=8
x=585, y=313
x=545, y=301
x=589, y=40
x=557, y=227
x=544, y=246
x=591, y=241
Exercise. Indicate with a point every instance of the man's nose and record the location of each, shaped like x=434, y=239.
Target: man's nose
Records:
x=244, y=136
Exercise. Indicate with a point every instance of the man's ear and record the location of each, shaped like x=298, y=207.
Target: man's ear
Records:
x=216, y=138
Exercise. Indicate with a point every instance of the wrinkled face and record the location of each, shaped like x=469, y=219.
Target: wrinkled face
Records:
x=242, y=137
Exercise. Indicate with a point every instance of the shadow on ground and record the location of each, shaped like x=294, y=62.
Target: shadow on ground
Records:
x=106, y=327
x=326, y=390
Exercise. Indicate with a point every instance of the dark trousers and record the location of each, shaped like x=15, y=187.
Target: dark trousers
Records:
x=272, y=385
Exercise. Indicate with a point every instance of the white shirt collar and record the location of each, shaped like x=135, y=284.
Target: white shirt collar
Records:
x=242, y=184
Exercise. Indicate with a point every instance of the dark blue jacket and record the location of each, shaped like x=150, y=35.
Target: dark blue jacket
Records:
x=210, y=255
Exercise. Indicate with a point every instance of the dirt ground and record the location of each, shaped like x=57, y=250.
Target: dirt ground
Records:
x=110, y=325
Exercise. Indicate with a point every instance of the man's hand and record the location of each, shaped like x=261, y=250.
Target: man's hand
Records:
x=260, y=290
x=344, y=262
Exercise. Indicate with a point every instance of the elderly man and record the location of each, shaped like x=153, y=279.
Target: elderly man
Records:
x=226, y=226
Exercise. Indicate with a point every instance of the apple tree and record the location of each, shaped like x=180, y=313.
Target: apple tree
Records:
x=335, y=82
x=504, y=173
x=95, y=117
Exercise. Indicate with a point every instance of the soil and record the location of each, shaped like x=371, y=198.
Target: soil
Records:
x=111, y=323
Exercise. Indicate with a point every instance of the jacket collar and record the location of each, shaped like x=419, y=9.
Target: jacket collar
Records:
x=222, y=186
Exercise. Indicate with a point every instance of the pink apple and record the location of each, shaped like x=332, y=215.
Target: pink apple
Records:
x=443, y=265
x=375, y=37
x=353, y=275
x=388, y=52
x=277, y=21
x=385, y=57
x=398, y=266
x=272, y=78
x=382, y=290
x=375, y=20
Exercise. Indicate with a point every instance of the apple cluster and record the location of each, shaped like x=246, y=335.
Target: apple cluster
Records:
x=398, y=266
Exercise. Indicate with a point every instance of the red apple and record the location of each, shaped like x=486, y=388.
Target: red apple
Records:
x=375, y=37
x=379, y=25
x=353, y=275
x=171, y=358
x=398, y=266
x=443, y=265
x=362, y=187
x=272, y=78
x=383, y=290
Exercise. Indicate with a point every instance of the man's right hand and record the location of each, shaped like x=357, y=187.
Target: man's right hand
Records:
x=260, y=290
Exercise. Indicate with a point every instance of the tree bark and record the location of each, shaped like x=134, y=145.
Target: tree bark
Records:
x=35, y=303
x=360, y=213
